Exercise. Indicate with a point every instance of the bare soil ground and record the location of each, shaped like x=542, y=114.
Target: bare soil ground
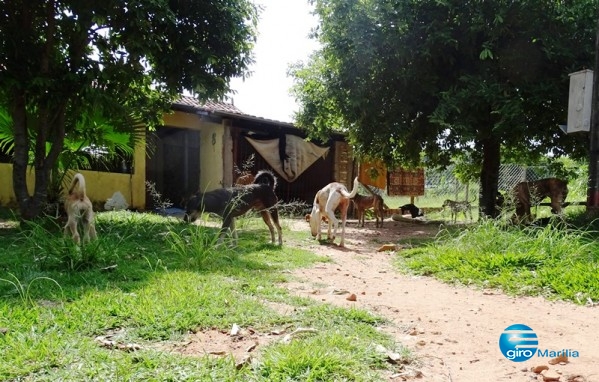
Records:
x=452, y=330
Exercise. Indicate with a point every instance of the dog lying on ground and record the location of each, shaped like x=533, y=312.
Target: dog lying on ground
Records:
x=363, y=203
x=79, y=209
x=232, y=202
x=527, y=193
x=464, y=207
x=412, y=210
x=330, y=198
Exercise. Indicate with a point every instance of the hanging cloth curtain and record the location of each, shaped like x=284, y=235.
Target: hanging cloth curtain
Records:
x=288, y=155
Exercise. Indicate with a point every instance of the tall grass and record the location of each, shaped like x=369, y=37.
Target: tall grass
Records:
x=150, y=281
x=555, y=261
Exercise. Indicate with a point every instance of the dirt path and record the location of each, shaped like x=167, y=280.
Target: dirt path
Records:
x=453, y=330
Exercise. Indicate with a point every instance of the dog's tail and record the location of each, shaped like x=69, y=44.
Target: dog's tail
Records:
x=78, y=186
x=369, y=190
x=266, y=177
x=353, y=192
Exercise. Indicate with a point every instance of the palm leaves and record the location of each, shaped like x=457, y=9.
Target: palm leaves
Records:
x=92, y=140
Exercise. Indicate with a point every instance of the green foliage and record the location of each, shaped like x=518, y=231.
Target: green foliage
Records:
x=72, y=69
x=451, y=79
x=329, y=353
x=556, y=261
x=136, y=289
x=199, y=245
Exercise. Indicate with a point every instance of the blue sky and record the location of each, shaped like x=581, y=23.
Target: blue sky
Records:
x=283, y=39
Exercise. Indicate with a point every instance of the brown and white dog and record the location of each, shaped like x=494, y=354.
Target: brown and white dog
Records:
x=527, y=193
x=79, y=209
x=330, y=198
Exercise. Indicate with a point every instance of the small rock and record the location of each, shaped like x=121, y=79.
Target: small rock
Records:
x=235, y=330
x=351, y=297
x=560, y=359
x=387, y=247
x=550, y=375
x=538, y=369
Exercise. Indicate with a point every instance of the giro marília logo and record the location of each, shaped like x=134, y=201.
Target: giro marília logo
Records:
x=518, y=342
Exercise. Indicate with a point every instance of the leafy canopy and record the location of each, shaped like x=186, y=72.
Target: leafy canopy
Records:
x=442, y=77
x=69, y=65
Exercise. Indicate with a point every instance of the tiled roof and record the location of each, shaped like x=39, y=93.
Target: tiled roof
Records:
x=212, y=106
x=224, y=108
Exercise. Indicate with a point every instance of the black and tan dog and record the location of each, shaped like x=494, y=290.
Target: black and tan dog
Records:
x=79, y=209
x=232, y=202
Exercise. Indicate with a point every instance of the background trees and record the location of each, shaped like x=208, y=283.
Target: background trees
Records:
x=478, y=79
x=64, y=63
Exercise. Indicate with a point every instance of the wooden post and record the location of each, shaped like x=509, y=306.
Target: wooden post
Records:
x=593, y=185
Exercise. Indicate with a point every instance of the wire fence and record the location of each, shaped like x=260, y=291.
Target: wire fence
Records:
x=442, y=184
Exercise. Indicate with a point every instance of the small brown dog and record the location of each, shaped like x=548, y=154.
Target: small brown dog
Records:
x=79, y=209
x=364, y=203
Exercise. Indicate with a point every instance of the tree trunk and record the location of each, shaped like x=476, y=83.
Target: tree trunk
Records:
x=489, y=176
x=31, y=206
x=21, y=154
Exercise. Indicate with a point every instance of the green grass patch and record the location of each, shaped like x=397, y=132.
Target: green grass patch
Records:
x=556, y=261
x=149, y=280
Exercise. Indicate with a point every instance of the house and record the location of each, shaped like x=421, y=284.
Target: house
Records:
x=202, y=146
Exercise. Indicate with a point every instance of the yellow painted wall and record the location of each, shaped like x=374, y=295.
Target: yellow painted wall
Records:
x=211, y=146
x=211, y=157
x=100, y=185
x=7, y=196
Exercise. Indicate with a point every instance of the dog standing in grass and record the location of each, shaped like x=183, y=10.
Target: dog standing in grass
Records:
x=232, y=202
x=465, y=207
x=79, y=210
x=529, y=193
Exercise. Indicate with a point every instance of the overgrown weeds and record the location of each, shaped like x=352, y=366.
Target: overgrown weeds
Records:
x=556, y=261
x=150, y=280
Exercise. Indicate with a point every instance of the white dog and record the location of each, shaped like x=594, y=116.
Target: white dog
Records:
x=332, y=197
x=79, y=208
